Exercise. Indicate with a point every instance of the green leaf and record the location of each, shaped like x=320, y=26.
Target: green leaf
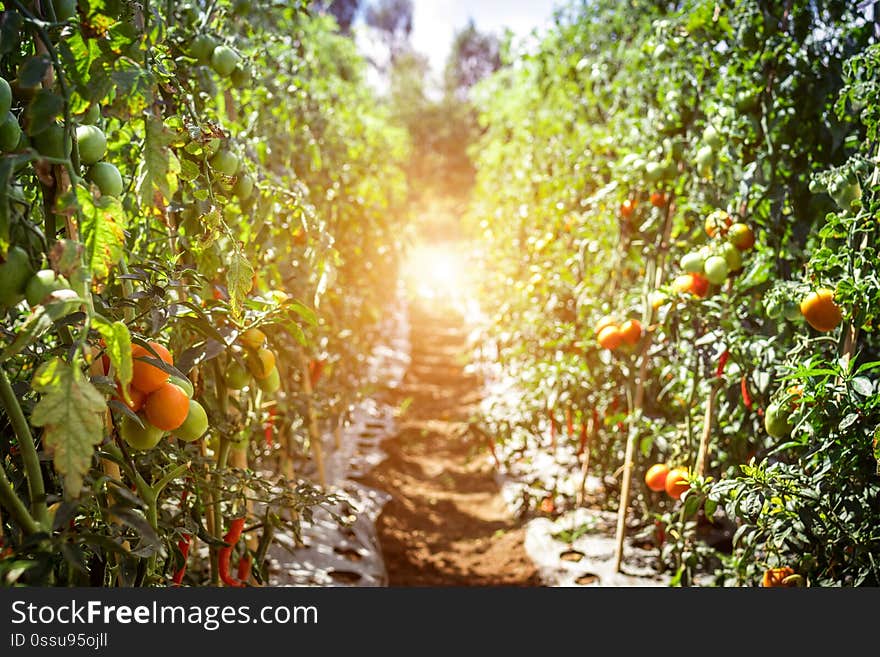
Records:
x=37, y=323
x=863, y=386
x=157, y=181
x=102, y=231
x=118, y=340
x=71, y=411
x=31, y=72
x=43, y=110
x=307, y=314
x=239, y=280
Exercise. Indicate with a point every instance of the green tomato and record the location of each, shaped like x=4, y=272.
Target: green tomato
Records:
x=733, y=256
x=195, y=425
x=654, y=171
x=225, y=162
x=693, y=263
x=64, y=9
x=777, y=421
x=244, y=187
x=716, y=269
x=224, y=60
x=14, y=276
x=237, y=376
x=91, y=142
x=5, y=97
x=107, y=177
x=143, y=438
x=773, y=309
x=711, y=137
x=182, y=383
x=844, y=193
x=705, y=159
x=91, y=115
x=51, y=142
x=41, y=285
x=202, y=47
x=791, y=310
x=240, y=76
x=10, y=133
x=271, y=383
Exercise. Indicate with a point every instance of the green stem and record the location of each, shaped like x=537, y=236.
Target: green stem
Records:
x=16, y=508
x=28, y=449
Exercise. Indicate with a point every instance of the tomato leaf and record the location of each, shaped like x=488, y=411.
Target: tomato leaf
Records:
x=158, y=174
x=71, y=411
x=239, y=281
x=118, y=340
x=102, y=231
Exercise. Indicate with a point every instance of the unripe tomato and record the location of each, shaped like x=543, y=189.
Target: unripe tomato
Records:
x=224, y=60
x=5, y=97
x=91, y=142
x=143, y=438
x=244, y=187
x=693, y=263
x=716, y=269
x=107, y=177
x=195, y=425
x=237, y=375
x=14, y=276
x=182, y=383
x=733, y=257
x=51, y=142
x=777, y=420
x=271, y=383
x=225, y=162
x=10, y=132
x=41, y=285
x=202, y=47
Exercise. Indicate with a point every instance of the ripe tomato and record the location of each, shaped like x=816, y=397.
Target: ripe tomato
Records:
x=741, y=236
x=631, y=331
x=610, y=337
x=167, y=407
x=655, y=477
x=146, y=377
x=253, y=338
x=608, y=320
x=774, y=577
x=676, y=483
x=820, y=311
x=627, y=208
x=695, y=284
x=261, y=363
x=658, y=199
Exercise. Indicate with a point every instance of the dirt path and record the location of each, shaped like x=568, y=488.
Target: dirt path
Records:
x=446, y=524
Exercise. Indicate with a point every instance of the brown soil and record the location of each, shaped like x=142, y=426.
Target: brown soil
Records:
x=446, y=524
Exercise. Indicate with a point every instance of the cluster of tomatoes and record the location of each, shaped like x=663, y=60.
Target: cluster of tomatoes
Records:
x=660, y=477
x=251, y=358
x=713, y=263
x=611, y=335
x=160, y=403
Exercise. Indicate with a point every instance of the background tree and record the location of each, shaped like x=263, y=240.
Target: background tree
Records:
x=344, y=11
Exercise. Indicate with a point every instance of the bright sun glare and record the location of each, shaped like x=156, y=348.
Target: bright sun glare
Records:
x=437, y=271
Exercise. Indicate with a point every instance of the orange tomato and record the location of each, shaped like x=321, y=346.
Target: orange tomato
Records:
x=627, y=208
x=655, y=477
x=606, y=321
x=262, y=363
x=136, y=396
x=610, y=337
x=773, y=577
x=658, y=199
x=717, y=223
x=146, y=377
x=631, y=331
x=820, y=311
x=167, y=407
x=676, y=483
x=695, y=284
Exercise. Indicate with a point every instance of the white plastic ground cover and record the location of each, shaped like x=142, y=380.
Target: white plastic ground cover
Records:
x=589, y=559
x=350, y=555
x=577, y=549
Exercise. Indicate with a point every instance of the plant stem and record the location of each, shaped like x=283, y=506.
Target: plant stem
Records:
x=28, y=449
x=17, y=510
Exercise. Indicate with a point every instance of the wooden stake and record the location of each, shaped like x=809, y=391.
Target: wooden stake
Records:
x=652, y=281
x=585, y=465
x=708, y=421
